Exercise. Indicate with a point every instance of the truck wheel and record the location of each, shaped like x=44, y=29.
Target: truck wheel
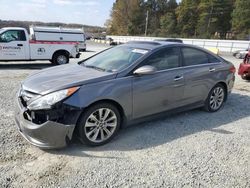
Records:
x=60, y=58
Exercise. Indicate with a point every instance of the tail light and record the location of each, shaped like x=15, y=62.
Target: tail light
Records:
x=232, y=69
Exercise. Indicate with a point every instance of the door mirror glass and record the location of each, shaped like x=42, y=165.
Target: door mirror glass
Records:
x=145, y=70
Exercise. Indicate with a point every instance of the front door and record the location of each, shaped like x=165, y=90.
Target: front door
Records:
x=13, y=45
x=162, y=90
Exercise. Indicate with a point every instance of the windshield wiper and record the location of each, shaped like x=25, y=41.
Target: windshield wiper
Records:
x=96, y=68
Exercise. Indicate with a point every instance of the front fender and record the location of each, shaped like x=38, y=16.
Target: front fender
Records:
x=118, y=90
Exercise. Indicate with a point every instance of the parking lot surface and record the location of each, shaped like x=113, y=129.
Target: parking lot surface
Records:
x=189, y=149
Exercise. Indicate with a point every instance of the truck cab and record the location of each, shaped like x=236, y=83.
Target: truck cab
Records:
x=14, y=44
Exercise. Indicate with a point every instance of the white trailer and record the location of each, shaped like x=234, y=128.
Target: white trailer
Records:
x=16, y=44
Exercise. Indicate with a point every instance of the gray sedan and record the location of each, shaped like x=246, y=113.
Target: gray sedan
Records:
x=120, y=86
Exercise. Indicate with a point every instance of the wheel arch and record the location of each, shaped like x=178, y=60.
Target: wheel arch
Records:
x=63, y=51
x=110, y=101
x=225, y=87
x=113, y=102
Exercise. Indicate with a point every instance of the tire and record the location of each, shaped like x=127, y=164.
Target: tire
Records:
x=244, y=77
x=238, y=56
x=60, y=58
x=218, y=93
x=94, y=131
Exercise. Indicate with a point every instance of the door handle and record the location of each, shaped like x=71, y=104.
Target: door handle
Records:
x=19, y=44
x=211, y=69
x=178, y=78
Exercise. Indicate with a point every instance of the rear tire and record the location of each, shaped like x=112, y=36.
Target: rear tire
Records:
x=215, y=99
x=99, y=124
x=60, y=58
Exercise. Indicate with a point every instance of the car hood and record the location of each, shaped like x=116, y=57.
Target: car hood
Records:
x=62, y=77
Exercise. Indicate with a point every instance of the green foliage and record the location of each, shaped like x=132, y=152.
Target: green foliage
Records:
x=214, y=16
x=127, y=17
x=189, y=18
x=241, y=19
x=168, y=24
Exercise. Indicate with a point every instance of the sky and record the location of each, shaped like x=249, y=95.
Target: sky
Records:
x=87, y=12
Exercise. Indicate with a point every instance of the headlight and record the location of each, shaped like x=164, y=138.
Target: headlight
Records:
x=47, y=101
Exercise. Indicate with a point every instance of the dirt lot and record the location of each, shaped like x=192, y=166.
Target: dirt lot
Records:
x=190, y=149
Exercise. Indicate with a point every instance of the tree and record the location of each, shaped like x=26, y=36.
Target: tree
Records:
x=127, y=17
x=241, y=19
x=160, y=12
x=168, y=21
x=214, y=17
x=168, y=24
x=187, y=17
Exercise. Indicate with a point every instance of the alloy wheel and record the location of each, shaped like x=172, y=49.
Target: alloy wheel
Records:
x=61, y=59
x=217, y=98
x=100, y=125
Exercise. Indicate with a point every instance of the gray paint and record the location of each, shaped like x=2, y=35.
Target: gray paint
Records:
x=138, y=95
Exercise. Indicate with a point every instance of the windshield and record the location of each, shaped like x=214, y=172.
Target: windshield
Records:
x=115, y=59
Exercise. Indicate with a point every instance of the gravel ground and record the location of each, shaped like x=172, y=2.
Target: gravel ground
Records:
x=190, y=149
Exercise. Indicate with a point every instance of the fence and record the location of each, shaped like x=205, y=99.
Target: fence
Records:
x=222, y=45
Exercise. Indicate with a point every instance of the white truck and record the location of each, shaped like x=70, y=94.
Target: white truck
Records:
x=54, y=44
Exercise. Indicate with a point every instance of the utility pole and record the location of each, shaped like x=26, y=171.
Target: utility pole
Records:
x=146, y=28
x=210, y=17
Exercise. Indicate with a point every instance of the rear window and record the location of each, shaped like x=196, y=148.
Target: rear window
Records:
x=213, y=59
x=194, y=57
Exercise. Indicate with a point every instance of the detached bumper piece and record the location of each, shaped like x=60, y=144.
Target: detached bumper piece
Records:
x=46, y=129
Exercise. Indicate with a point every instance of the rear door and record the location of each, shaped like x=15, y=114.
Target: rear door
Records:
x=13, y=45
x=160, y=91
x=201, y=72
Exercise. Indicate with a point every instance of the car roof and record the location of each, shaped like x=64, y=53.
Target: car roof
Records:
x=150, y=45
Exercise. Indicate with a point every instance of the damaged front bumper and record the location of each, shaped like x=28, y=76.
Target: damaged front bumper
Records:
x=42, y=130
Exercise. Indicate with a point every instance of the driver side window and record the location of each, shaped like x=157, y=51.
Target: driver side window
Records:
x=164, y=59
x=12, y=35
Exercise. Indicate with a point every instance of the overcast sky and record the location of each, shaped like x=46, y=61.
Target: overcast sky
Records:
x=89, y=12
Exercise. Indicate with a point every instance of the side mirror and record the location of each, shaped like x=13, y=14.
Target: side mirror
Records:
x=145, y=70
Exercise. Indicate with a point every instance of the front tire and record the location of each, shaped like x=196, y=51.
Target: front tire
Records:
x=99, y=124
x=216, y=98
x=60, y=58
